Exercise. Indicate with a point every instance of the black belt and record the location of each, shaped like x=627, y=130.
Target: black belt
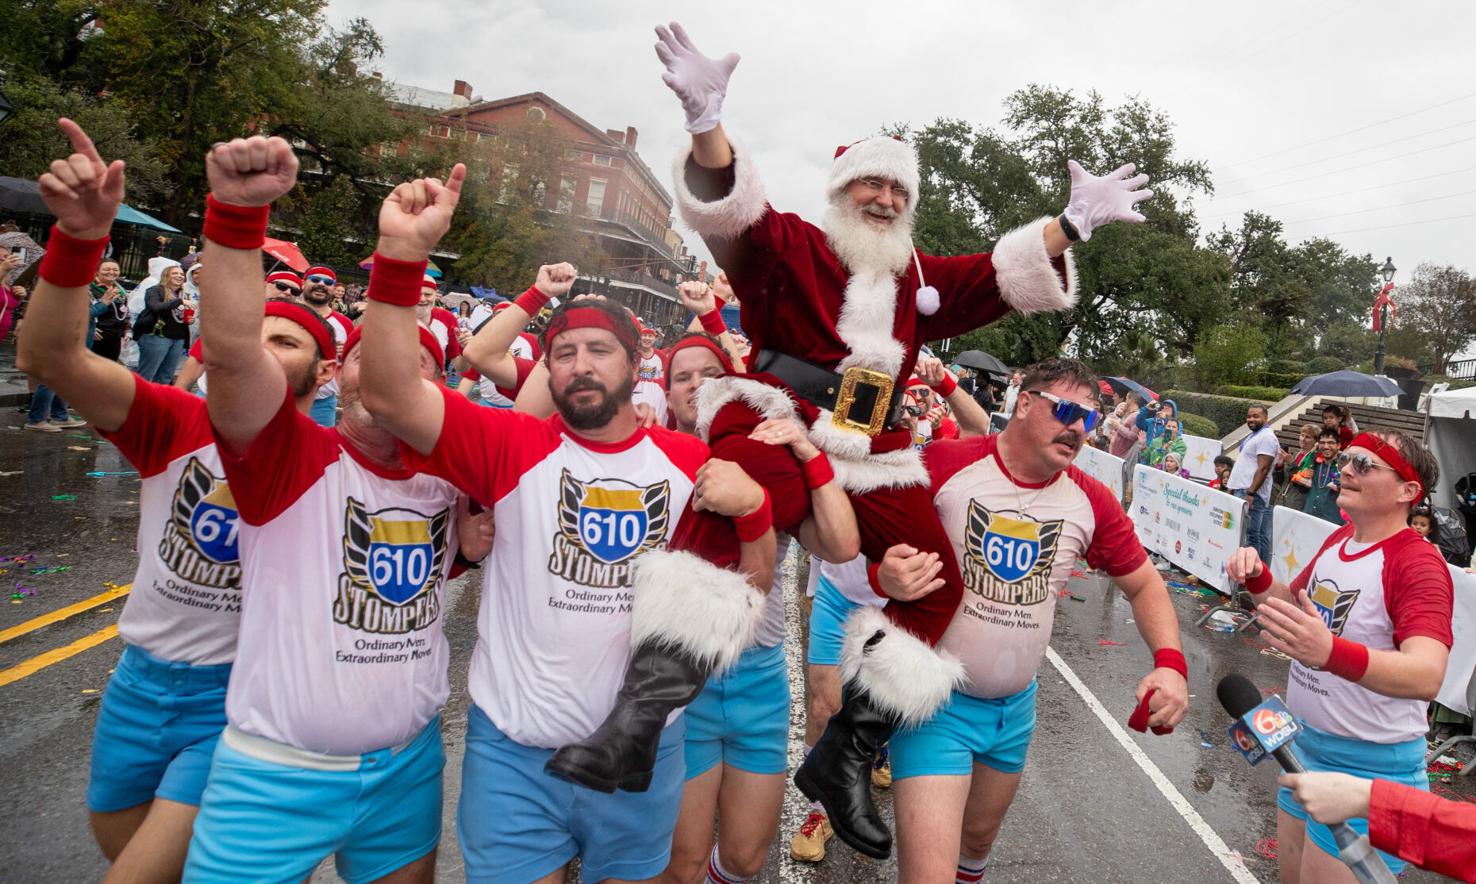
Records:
x=861, y=399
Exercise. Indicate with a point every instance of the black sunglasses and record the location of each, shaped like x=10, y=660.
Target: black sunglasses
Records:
x=284, y=287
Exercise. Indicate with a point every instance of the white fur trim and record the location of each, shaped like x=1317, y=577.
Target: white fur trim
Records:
x=868, y=312
x=768, y=401
x=1027, y=281
x=857, y=470
x=728, y=217
x=903, y=676
x=880, y=156
x=686, y=602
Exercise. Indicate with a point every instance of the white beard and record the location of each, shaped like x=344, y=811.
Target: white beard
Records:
x=860, y=246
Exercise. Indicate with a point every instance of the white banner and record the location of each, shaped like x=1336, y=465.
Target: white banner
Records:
x=1456, y=691
x=1199, y=456
x=1193, y=527
x=1295, y=538
x=1103, y=467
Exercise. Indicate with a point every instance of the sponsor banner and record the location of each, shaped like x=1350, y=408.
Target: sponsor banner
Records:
x=1195, y=528
x=1199, y=456
x=1103, y=467
x=1295, y=538
x=1456, y=692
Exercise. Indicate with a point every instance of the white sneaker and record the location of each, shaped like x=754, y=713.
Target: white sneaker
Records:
x=43, y=426
x=69, y=423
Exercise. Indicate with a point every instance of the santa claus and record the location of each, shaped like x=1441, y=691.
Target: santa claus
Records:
x=836, y=314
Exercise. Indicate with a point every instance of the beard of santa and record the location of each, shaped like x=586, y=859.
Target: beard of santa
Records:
x=862, y=245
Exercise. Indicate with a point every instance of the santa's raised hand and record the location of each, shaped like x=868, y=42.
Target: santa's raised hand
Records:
x=82, y=191
x=417, y=214
x=700, y=82
x=251, y=171
x=1096, y=201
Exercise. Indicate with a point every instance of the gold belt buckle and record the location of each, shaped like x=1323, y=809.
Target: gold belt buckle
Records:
x=853, y=376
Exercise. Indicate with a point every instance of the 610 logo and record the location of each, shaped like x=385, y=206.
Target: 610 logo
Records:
x=393, y=560
x=603, y=525
x=1008, y=559
x=199, y=542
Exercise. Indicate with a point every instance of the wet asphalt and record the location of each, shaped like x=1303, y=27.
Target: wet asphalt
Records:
x=1086, y=810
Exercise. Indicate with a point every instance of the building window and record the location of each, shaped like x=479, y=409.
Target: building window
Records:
x=566, y=195
x=536, y=115
x=594, y=201
x=571, y=155
x=443, y=132
x=602, y=160
x=509, y=184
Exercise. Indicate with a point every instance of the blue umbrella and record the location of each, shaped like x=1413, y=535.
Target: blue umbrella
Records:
x=1122, y=385
x=129, y=215
x=1346, y=383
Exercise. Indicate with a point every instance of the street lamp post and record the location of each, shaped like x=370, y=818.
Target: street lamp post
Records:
x=1387, y=271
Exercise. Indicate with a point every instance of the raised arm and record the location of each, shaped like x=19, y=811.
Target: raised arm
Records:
x=246, y=384
x=971, y=417
x=83, y=193
x=487, y=349
x=411, y=221
x=707, y=317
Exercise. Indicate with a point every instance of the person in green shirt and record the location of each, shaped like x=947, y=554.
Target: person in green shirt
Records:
x=1170, y=440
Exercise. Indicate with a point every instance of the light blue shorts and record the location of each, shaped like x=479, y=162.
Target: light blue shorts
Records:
x=263, y=821
x=742, y=718
x=829, y=610
x=325, y=411
x=156, y=732
x=1321, y=751
x=517, y=823
x=967, y=731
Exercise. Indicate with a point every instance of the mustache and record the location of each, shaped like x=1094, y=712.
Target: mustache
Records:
x=584, y=383
x=1070, y=437
x=880, y=211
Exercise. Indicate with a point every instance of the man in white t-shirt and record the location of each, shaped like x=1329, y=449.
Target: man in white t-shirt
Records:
x=584, y=504
x=1250, y=479
x=1367, y=624
x=318, y=283
x=1019, y=514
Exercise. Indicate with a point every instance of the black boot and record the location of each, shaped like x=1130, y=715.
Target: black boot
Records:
x=621, y=753
x=837, y=773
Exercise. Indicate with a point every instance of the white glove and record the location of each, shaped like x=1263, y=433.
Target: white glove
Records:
x=698, y=81
x=1097, y=201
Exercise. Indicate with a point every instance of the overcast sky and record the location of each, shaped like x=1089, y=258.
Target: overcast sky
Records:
x=1321, y=113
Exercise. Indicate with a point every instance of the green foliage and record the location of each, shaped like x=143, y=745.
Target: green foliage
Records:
x=327, y=225
x=1439, y=305
x=1227, y=412
x=1225, y=353
x=1198, y=425
x=1325, y=364
x=1269, y=394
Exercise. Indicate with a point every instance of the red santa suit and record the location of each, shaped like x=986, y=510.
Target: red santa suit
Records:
x=798, y=298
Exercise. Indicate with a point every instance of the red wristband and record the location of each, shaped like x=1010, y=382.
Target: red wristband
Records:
x=1348, y=659
x=235, y=227
x=1171, y=658
x=818, y=471
x=756, y=524
x=1261, y=582
x=532, y=301
x=712, y=323
x=873, y=577
x=946, y=386
x=69, y=262
x=392, y=281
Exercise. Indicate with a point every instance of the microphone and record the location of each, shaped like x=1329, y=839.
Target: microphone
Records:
x=1267, y=727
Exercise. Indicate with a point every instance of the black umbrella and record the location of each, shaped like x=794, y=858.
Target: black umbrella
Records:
x=1346, y=383
x=982, y=361
x=21, y=195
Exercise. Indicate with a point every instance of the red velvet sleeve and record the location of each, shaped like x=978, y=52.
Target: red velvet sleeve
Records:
x=163, y=423
x=1432, y=832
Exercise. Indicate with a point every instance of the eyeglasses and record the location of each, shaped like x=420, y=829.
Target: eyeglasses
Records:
x=287, y=289
x=878, y=185
x=1068, y=412
x=321, y=280
x=1361, y=464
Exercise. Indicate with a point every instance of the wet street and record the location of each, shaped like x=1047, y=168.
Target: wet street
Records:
x=1097, y=803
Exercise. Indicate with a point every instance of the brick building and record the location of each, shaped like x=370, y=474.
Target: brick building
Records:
x=604, y=183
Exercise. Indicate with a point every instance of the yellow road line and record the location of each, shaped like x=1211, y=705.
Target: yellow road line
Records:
x=63, y=613
x=41, y=661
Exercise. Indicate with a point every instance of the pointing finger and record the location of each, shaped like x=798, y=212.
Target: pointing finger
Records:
x=81, y=143
x=454, y=181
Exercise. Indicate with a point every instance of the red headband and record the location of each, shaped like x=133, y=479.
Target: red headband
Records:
x=285, y=276
x=589, y=317
x=1392, y=457
x=320, y=270
x=688, y=343
x=427, y=340
x=310, y=321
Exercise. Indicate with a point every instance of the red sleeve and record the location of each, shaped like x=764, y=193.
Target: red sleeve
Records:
x=163, y=423
x=1418, y=592
x=945, y=458
x=1345, y=436
x=197, y=350
x=281, y=463
x=533, y=347
x=1114, y=547
x=1299, y=582
x=968, y=294
x=524, y=367
x=484, y=452
x=1432, y=832
x=471, y=374
x=688, y=452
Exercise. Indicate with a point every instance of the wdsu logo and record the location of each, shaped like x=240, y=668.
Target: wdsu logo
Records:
x=1008, y=559
x=393, y=560
x=199, y=542
x=603, y=525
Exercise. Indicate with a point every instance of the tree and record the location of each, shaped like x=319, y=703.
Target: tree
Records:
x=1439, y=302
x=1224, y=354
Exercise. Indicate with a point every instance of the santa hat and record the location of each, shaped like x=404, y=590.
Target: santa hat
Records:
x=880, y=156
x=320, y=270
x=286, y=276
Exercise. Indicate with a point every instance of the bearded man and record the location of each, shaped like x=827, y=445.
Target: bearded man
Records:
x=836, y=315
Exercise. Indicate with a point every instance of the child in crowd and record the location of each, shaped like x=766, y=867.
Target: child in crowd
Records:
x=1171, y=464
x=1223, y=465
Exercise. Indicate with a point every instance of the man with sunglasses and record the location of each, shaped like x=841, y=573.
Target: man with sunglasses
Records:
x=1019, y=515
x=1367, y=625
x=1250, y=479
x=283, y=284
x=317, y=293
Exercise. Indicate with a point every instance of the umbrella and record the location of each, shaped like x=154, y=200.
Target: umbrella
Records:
x=1106, y=388
x=22, y=195
x=1346, y=383
x=129, y=215
x=15, y=241
x=1122, y=385
x=431, y=269
x=286, y=252
x=982, y=361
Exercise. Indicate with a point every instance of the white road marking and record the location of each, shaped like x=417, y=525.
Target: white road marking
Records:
x=1216, y=845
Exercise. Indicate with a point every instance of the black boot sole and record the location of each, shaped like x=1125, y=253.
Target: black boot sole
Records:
x=569, y=773
x=811, y=790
